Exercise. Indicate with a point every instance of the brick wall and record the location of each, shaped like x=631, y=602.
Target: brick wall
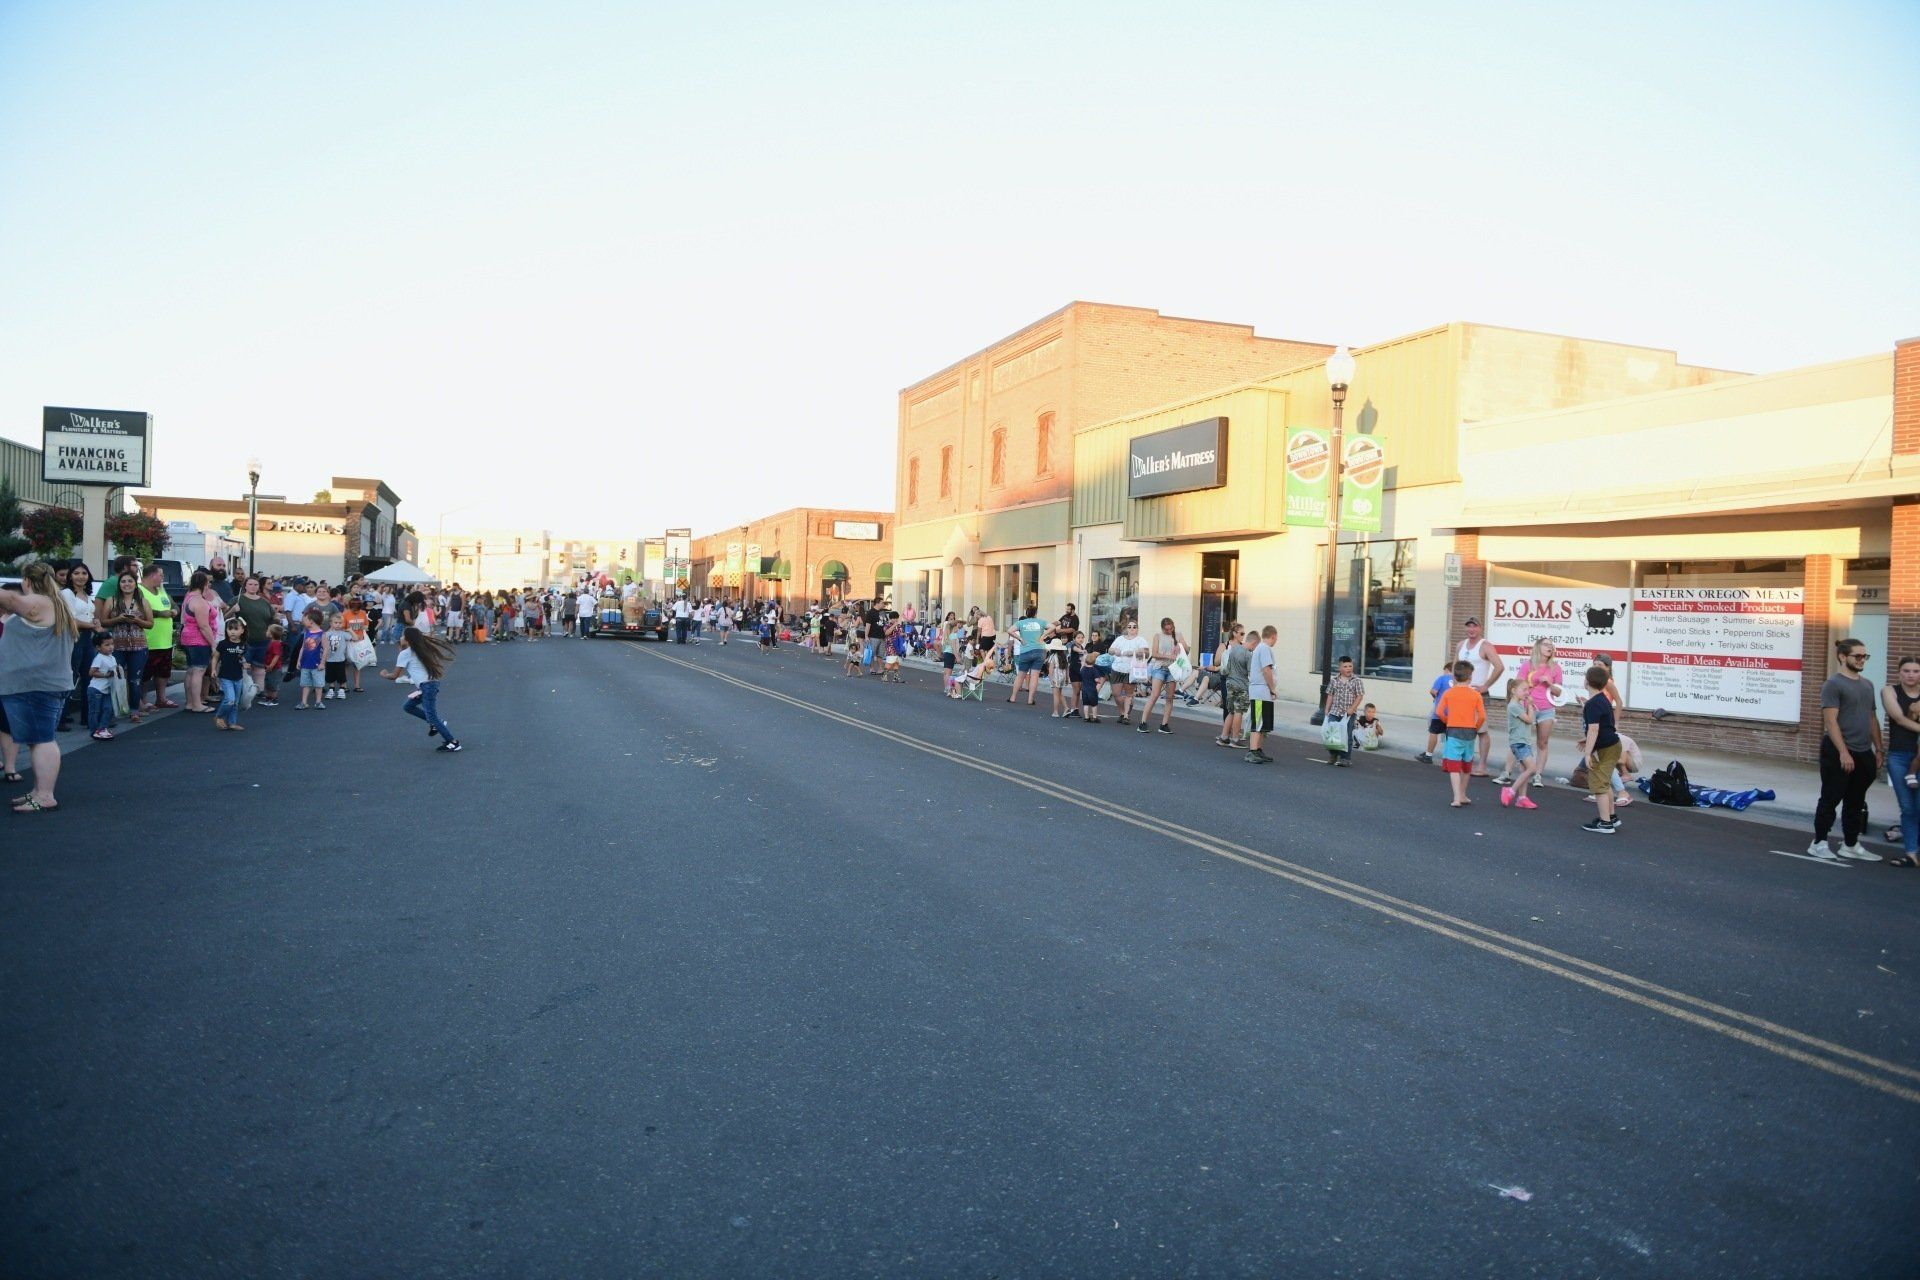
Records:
x=1470, y=597
x=1906, y=396
x=1128, y=360
x=1903, y=594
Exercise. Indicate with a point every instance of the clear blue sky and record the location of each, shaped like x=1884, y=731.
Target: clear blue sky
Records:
x=606, y=268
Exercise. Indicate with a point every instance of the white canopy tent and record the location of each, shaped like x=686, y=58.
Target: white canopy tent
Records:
x=401, y=574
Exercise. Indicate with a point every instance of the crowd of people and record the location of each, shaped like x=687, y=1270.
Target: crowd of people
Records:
x=73, y=648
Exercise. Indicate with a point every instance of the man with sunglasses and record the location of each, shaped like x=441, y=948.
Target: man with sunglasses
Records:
x=1850, y=753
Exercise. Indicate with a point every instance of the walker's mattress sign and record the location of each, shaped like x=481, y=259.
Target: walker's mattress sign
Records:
x=1718, y=651
x=1582, y=622
x=1178, y=460
x=95, y=446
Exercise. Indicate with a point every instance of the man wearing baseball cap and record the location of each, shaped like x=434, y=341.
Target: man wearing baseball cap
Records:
x=1479, y=652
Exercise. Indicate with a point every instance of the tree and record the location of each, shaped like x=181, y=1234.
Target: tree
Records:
x=12, y=545
x=321, y=495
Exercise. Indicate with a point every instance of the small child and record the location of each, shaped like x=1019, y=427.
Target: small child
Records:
x=855, y=647
x=230, y=657
x=312, y=660
x=337, y=641
x=1090, y=673
x=1058, y=653
x=1462, y=714
x=276, y=663
x=1436, y=727
x=1600, y=748
x=890, y=667
x=356, y=618
x=1521, y=762
x=1368, y=732
x=100, y=689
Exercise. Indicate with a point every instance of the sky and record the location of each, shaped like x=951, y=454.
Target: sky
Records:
x=609, y=268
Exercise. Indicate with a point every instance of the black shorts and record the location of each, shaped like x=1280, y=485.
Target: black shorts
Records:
x=1437, y=725
x=946, y=660
x=337, y=672
x=1260, y=716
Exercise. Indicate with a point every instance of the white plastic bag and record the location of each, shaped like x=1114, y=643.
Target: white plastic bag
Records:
x=120, y=703
x=1333, y=733
x=361, y=653
x=248, y=690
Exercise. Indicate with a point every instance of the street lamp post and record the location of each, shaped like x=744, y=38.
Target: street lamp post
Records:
x=1339, y=375
x=253, y=513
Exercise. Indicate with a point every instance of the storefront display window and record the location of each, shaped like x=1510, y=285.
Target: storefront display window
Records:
x=1373, y=608
x=1113, y=589
x=1019, y=590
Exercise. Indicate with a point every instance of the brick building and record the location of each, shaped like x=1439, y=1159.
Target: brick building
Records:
x=985, y=459
x=801, y=556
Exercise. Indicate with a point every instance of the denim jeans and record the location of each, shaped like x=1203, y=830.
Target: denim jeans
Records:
x=1899, y=765
x=229, y=702
x=99, y=710
x=424, y=707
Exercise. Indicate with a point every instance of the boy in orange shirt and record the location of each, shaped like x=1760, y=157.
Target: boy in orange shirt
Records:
x=1464, y=712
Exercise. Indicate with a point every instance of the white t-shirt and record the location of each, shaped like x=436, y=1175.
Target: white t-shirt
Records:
x=680, y=609
x=1476, y=654
x=414, y=669
x=100, y=674
x=1257, y=690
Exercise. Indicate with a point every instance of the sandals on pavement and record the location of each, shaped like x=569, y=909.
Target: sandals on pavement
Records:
x=1906, y=861
x=14, y=777
x=27, y=804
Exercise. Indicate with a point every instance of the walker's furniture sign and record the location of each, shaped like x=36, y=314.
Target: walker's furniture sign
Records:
x=1718, y=651
x=95, y=446
x=1178, y=460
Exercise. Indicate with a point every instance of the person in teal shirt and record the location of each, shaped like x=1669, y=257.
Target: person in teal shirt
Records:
x=1029, y=657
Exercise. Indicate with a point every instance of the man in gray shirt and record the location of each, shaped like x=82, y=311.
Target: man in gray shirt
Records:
x=1850, y=754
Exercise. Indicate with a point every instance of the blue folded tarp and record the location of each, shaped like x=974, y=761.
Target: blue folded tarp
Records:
x=1716, y=798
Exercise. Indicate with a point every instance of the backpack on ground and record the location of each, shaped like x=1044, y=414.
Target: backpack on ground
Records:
x=1670, y=786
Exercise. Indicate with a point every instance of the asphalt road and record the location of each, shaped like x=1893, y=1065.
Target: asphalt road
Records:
x=705, y=962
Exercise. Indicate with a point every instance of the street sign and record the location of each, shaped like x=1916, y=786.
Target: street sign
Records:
x=1451, y=576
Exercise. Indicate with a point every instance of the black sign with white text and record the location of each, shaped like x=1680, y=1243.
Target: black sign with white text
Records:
x=95, y=446
x=1178, y=459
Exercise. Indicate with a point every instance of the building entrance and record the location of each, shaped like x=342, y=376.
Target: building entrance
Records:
x=1219, y=596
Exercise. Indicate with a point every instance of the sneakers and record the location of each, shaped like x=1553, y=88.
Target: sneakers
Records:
x=1240, y=742
x=1858, y=854
x=1257, y=757
x=1524, y=803
x=448, y=746
x=1505, y=779
x=1506, y=797
x=1425, y=757
x=1599, y=827
x=1822, y=850
x=103, y=735
x=1165, y=729
x=1145, y=727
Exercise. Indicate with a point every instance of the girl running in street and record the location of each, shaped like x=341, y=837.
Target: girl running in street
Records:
x=424, y=659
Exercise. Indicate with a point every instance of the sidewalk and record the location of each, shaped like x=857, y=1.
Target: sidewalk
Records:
x=1796, y=785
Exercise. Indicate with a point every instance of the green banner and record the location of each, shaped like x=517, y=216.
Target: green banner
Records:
x=1363, y=483
x=1309, y=458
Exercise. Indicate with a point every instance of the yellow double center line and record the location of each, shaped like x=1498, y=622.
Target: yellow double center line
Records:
x=1761, y=1033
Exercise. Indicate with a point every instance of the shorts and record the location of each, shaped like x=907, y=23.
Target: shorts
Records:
x=337, y=672
x=1031, y=660
x=199, y=655
x=455, y=619
x=159, y=663
x=1162, y=673
x=1436, y=726
x=33, y=717
x=312, y=678
x=1522, y=751
x=1456, y=755
x=1600, y=767
x=1260, y=716
x=257, y=654
x=1235, y=701
x=1543, y=715
x=946, y=660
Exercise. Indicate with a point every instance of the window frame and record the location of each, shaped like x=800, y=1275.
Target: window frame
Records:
x=997, y=458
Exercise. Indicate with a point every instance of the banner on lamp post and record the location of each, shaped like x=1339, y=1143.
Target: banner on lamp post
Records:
x=1309, y=463
x=1363, y=483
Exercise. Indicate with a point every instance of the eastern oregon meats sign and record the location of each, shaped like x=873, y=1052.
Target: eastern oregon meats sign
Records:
x=1733, y=652
x=1178, y=460
x=96, y=446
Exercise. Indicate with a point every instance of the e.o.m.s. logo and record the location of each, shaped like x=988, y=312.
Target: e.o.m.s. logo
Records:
x=1307, y=456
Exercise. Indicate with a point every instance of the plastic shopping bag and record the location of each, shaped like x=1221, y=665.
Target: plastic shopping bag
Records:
x=1333, y=733
x=120, y=702
x=248, y=691
x=361, y=653
x=1180, y=668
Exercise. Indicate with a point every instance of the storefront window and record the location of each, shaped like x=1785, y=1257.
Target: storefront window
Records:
x=1373, y=608
x=1113, y=590
x=927, y=595
x=1019, y=590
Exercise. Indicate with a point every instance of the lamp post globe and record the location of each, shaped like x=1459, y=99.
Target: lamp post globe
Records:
x=253, y=511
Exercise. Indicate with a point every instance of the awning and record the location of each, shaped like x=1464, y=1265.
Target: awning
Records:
x=883, y=576
x=834, y=571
